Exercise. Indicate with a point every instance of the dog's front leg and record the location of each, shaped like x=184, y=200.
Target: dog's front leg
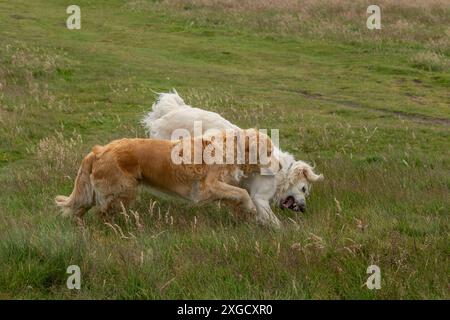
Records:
x=224, y=191
x=261, y=189
x=264, y=213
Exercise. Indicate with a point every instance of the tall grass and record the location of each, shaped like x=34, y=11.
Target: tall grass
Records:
x=388, y=210
x=386, y=195
x=418, y=23
x=403, y=20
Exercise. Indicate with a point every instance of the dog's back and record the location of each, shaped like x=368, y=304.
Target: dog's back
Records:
x=170, y=113
x=165, y=103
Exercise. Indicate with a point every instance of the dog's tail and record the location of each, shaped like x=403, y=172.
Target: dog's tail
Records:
x=165, y=103
x=82, y=196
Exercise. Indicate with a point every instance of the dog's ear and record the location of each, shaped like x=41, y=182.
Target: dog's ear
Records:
x=181, y=146
x=181, y=151
x=311, y=176
x=214, y=143
x=265, y=139
x=304, y=171
x=243, y=141
x=205, y=143
x=249, y=138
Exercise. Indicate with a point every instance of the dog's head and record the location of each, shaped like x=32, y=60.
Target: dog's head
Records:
x=300, y=177
x=248, y=147
x=255, y=150
x=258, y=146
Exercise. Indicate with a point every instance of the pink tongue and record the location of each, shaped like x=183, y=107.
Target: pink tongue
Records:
x=288, y=202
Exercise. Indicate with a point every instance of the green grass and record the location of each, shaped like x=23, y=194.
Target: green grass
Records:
x=372, y=112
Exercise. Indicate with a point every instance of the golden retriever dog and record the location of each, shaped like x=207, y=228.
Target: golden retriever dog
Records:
x=109, y=175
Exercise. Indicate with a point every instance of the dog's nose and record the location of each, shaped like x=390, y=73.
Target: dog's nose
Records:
x=302, y=207
x=299, y=206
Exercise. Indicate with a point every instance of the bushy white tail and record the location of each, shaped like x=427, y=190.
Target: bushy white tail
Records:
x=82, y=196
x=165, y=103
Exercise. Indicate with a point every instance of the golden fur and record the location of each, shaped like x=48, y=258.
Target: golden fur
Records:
x=109, y=175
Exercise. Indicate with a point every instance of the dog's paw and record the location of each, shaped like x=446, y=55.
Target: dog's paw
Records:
x=269, y=222
x=250, y=207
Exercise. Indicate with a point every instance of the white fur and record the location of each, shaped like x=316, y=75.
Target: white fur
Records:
x=170, y=112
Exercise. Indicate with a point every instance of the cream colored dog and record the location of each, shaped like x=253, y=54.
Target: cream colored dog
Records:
x=109, y=175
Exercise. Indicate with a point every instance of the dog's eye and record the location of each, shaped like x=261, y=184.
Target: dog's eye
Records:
x=303, y=189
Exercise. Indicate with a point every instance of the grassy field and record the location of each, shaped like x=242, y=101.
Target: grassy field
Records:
x=370, y=108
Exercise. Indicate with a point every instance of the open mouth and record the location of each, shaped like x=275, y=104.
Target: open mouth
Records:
x=289, y=203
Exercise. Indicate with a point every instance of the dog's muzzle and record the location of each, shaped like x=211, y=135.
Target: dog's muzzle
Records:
x=290, y=203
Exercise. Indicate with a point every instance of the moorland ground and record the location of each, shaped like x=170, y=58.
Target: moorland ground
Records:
x=371, y=109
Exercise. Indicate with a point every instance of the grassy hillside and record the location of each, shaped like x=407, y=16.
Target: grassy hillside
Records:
x=370, y=108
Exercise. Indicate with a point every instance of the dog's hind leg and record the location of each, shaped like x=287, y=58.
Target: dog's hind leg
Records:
x=119, y=200
x=105, y=207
